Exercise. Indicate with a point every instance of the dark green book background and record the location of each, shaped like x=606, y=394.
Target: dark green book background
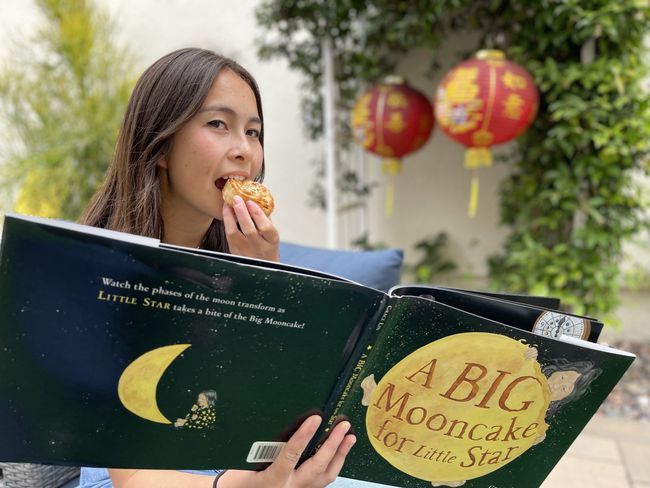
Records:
x=62, y=351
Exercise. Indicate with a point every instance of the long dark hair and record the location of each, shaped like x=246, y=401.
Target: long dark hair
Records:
x=210, y=396
x=167, y=95
x=586, y=370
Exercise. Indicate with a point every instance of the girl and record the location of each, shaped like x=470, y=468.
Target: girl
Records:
x=202, y=414
x=193, y=121
x=568, y=381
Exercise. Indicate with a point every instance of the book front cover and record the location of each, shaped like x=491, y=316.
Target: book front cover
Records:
x=446, y=398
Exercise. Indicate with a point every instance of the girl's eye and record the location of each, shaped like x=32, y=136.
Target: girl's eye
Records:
x=253, y=133
x=217, y=124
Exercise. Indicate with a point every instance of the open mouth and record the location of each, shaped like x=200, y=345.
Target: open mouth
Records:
x=221, y=182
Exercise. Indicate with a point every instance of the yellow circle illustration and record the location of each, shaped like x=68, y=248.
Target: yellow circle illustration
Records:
x=459, y=408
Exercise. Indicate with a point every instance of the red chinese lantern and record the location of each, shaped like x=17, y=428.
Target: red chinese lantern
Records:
x=483, y=102
x=392, y=120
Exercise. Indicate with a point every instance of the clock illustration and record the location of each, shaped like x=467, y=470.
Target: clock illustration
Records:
x=554, y=324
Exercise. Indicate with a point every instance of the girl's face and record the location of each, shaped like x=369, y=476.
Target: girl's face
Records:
x=220, y=141
x=562, y=384
x=202, y=400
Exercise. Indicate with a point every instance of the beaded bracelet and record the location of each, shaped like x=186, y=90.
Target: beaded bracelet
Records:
x=216, y=478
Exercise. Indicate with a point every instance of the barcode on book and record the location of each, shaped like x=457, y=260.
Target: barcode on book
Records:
x=264, y=452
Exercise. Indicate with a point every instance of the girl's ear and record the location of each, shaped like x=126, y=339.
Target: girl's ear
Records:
x=162, y=163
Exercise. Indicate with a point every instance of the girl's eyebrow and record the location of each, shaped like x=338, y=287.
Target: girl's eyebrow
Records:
x=228, y=110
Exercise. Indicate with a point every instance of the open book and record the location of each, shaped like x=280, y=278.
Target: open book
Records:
x=120, y=351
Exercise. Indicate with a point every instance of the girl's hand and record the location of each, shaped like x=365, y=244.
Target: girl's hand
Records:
x=256, y=236
x=316, y=472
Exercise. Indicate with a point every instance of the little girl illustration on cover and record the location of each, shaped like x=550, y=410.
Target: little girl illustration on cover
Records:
x=202, y=415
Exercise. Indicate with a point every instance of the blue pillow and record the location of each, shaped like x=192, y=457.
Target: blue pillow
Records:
x=378, y=269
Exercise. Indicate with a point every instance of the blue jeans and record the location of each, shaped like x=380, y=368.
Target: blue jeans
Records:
x=98, y=478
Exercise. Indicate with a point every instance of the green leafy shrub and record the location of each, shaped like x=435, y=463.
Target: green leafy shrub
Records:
x=573, y=196
x=62, y=95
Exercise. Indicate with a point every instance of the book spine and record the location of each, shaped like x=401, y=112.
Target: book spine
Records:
x=361, y=354
x=350, y=373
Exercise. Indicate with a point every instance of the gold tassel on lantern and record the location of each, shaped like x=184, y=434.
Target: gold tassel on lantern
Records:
x=476, y=157
x=391, y=167
x=473, y=197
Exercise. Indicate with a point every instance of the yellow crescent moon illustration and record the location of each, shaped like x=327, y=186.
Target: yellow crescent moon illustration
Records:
x=139, y=381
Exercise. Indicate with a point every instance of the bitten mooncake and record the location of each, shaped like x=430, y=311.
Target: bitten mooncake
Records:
x=249, y=190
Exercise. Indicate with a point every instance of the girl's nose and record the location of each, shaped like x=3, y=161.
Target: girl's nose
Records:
x=240, y=148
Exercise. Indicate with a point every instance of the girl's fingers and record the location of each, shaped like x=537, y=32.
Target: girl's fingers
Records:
x=262, y=223
x=244, y=219
x=283, y=467
x=229, y=221
x=338, y=460
x=321, y=461
x=250, y=232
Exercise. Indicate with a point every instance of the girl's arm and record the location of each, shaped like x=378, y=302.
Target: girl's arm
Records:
x=158, y=478
x=256, y=236
x=316, y=472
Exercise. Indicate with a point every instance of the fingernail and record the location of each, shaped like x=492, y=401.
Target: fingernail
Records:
x=237, y=199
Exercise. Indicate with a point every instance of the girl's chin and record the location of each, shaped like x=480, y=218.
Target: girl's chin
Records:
x=213, y=212
x=208, y=215
x=218, y=215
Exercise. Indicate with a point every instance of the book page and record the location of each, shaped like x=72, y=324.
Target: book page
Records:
x=542, y=321
x=85, y=229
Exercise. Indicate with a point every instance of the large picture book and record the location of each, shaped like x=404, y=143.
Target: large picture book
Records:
x=119, y=351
